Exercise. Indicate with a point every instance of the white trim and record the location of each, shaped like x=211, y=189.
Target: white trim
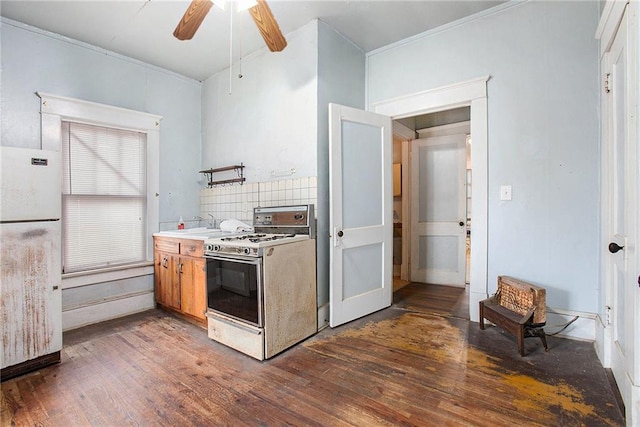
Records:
x=473, y=93
x=87, y=46
x=83, y=278
x=406, y=216
x=443, y=130
x=55, y=109
x=94, y=113
x=428, y=101
x=609, y=23
x=89, y=314
x=451, y=25
x=584, y=328
x=323, y=316
x=402, y=131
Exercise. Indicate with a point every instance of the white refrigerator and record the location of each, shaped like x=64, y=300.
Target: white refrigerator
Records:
x=30, y=262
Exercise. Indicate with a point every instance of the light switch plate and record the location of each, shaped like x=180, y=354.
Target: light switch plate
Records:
x=505, y=192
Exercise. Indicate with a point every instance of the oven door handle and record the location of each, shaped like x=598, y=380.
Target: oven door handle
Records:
x=246, y=328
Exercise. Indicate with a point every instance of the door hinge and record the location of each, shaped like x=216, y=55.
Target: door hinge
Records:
x=606, y=83
x=607, y=315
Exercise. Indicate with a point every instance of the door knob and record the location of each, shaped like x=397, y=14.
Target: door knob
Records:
x=340, y=233
x=461, y=223
x=614, y=247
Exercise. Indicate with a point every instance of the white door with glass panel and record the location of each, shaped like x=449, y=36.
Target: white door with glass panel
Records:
x=361, y=213
x=438, y=210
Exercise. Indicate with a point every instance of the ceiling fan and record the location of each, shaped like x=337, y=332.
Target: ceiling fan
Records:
x=261, y=14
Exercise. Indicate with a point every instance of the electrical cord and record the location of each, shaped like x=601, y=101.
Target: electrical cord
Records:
x=564, y=327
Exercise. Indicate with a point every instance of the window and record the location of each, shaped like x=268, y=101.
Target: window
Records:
x=110, y=193
x=103, y=197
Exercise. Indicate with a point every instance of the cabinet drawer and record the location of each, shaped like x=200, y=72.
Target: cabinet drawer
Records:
x=166, y=245
x=193, y=248
x=244, y=338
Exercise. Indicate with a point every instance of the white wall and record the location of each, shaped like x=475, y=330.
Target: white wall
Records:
x=542, y=134
x=32, y=61
x=341, y=78
x=276, y=117
x=268, y=120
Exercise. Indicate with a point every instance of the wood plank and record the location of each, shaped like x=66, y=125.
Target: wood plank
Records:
x=395, y=367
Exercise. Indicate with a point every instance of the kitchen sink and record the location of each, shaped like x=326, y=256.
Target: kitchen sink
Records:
x=193, y=233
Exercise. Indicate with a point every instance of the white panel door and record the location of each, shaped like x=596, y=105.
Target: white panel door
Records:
x=621, y=192
x=360, y=181
x=438, y=217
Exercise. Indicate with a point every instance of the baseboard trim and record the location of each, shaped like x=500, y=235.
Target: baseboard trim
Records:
x=323, y=316
x=583, y=329
x=80, y=316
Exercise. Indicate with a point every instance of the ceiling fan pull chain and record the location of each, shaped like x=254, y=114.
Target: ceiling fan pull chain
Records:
x=230, y=47
x=241, y=37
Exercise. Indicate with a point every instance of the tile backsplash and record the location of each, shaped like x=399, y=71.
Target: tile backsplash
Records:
x=237, y=201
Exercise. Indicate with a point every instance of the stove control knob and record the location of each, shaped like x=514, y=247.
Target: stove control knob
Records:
x=216, y=248
x=247, y=251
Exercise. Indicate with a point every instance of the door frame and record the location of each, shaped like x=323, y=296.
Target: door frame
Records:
x=471, y=93
x=405, y=134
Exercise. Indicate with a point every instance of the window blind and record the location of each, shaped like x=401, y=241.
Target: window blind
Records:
x=103, y=197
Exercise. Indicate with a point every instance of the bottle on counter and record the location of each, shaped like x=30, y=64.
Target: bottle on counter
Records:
x=180, y=224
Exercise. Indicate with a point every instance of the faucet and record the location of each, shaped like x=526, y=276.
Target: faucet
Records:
x=211, y=224
x=213, y=221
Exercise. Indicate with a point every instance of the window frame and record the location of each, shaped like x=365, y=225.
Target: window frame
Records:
x=53, y=110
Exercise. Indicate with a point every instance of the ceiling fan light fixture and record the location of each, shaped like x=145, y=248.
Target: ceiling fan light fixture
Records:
x=240, y=5
x=245, y=4
x=260, y=12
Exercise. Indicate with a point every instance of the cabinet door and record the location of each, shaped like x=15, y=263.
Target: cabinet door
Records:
x=167, y=285
x=193, y=292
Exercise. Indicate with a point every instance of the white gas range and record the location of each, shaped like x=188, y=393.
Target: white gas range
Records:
x=272, y=226
x=261, y=286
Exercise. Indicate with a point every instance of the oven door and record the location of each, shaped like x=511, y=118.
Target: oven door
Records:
x=234, y=287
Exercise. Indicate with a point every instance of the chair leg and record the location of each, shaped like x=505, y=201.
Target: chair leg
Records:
x=521, y=341
x=543, y=337
x=481, y=316
x=537, y=332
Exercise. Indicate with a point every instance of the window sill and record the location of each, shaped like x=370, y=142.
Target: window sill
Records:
x=85, y=278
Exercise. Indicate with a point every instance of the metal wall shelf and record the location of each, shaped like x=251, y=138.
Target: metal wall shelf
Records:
x=239, y=169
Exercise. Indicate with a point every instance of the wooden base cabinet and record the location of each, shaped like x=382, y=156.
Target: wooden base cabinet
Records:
x=180, y=276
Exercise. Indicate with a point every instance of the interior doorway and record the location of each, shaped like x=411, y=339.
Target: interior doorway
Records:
x=473, y=94
x=435, y=252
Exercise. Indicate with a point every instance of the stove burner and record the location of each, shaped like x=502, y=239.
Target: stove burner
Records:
x=264, y=238
x=244, y=237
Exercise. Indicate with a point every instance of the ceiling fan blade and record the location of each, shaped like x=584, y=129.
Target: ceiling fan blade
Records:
x=192, y=19
x=262, y=16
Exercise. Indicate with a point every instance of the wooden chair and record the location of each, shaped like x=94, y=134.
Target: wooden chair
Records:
x=519, y=308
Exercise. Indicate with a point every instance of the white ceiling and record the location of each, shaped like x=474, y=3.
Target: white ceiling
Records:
x=143, y=29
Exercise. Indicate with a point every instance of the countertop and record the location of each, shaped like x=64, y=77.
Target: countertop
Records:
x=200, y=233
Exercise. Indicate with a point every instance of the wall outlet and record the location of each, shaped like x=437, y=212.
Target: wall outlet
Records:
x=505, y=192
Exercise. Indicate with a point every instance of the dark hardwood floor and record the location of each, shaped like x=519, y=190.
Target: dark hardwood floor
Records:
x=419, y=362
